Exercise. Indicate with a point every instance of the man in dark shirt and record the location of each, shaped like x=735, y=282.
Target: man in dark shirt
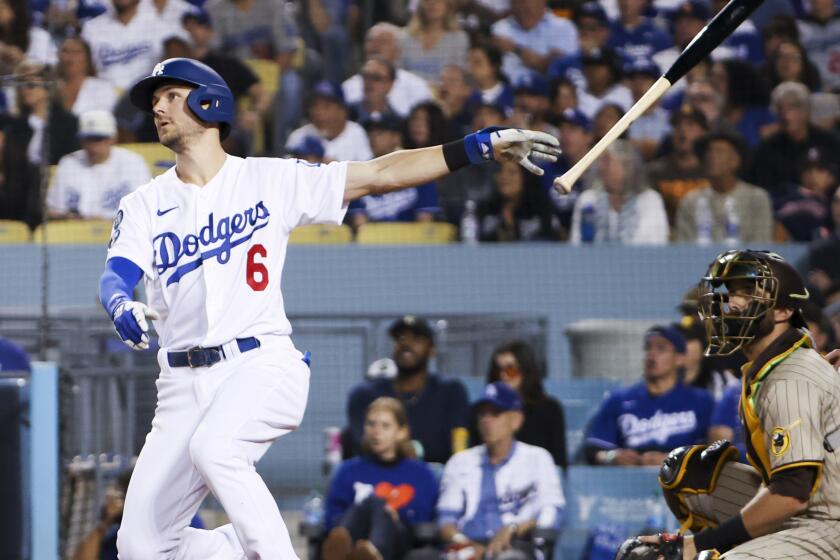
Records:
x=437, y=407
x=776, y=158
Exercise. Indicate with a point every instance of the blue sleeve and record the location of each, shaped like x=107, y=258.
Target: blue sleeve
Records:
x=339, y=496
x=117, y=282
x=603, y=430
x=427, y=199
x=726, y=411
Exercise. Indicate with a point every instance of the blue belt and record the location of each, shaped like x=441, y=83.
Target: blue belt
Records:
x=206, y=357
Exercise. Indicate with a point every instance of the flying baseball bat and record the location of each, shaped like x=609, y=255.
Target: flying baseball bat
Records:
x=720, y=27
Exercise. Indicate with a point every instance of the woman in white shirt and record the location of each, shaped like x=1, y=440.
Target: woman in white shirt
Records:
x=79, y=88
x=620, y=207
x=433, y=40
x=19, y=39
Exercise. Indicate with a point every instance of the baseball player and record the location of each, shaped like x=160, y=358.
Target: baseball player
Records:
x=788, y=504
x=208, y=237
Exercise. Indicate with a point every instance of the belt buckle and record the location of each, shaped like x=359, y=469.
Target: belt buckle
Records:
x=199, y=351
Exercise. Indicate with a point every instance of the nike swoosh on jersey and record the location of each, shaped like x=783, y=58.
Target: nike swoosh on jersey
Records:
x=162, y=212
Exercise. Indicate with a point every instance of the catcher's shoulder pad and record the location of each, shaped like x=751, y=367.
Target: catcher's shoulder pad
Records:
x=668, y=548
x=696, y=468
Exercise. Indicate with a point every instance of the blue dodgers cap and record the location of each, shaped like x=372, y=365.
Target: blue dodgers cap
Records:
x=593, y=10
x=575, y=116
x=642, y=65
x=671, y=333
x=329, y=90
x=696, y=9
x=500, y=395
x=199, y=15
x=308, y=146
x=532, y=83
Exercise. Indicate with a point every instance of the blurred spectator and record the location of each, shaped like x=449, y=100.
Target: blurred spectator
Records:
x=744, y=100
x=689, y=19
x=494, y=495
x=729, y=209
x=820, y=35
x=20, y=39
x=639, y=425
x=243, y=83
x=310, y=149
x=90, y=182
x=515, y=364
x=376, y=498
x=127, y=41
x=378, y=77
x=531, y=37
x=633, y=35
x=531, y=105
x=602, y=74
x=781, y=28
x=820, y=327
x=593, y=34
x=823, y=264
x=484, y=62
x=424, y=395
x=790, y=63
x=427, y=126
x=563, y=97
x=419, y=204
x=806, y=212
x=433, y=39
x=101, y=542
x=344, y=139
x=605, y=119
x=382, y=41
x=13, y=357
x=333, y=22
x=774, y=165
x=620, y=207
x=264, y=30
x=649, y=130
x=78, y=86
x=825, y=111
x=702, y=94
x=23, y=140
x=575, y=141
x=454, y=93
x=726, y=421
x=518, y=209
x=681, y=171
x=744, y=43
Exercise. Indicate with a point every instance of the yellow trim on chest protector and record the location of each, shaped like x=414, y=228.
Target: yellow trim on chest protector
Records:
x=752, y=422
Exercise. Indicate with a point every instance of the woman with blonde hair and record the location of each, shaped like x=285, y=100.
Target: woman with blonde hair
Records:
x=620, y=207
x=374, y=499
x=432, y=40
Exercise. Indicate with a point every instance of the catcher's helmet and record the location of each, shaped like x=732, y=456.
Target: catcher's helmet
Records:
x=211, y=100
x=775, y=283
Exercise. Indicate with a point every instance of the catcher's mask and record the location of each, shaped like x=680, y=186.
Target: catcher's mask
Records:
x=765, y=279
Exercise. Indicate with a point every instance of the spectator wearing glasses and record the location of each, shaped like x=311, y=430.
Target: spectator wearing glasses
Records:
x=378, y=77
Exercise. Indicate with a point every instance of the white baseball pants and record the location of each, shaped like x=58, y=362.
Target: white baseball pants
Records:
x=211, y=426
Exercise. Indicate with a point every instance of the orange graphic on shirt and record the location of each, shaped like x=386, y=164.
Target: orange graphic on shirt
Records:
x=395, y=496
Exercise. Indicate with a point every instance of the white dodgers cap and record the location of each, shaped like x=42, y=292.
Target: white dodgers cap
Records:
x=97, y=124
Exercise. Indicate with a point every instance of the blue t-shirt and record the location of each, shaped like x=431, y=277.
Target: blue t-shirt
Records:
x=409, y=486
x=397, y=206
x=726, y=414
x=631, y=418
x=12, y=356
x=429, y=425
x=642, y=42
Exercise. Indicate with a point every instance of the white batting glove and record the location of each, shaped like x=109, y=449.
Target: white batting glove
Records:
x=131, y=324
x=512, y=144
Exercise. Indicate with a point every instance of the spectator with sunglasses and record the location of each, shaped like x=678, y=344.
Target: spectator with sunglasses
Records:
x=515, y=364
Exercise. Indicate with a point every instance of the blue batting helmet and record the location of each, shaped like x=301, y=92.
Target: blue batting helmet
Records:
x=211, y=100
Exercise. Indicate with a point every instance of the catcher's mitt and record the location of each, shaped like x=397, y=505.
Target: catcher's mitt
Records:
x=669, y=547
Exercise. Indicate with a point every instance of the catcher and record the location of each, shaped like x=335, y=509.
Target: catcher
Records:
x=788, y=505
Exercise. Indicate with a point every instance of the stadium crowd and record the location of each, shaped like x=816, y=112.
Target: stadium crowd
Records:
x=744, y=148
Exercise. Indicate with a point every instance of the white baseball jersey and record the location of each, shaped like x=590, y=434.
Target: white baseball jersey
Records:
x=94, y=191
x=527, y=487
x=351, y=145
x=213, y=255
x=125, y=53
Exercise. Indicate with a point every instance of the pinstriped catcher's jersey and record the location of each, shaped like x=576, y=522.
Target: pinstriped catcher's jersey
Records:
x=792, y=404
x=212, y=256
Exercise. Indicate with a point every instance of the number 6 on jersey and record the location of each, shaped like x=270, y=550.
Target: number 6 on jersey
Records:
x=256, y=274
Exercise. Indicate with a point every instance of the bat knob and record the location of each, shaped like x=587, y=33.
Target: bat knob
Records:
x=562, y=187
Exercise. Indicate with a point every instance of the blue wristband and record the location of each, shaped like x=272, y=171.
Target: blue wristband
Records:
x=479, y=146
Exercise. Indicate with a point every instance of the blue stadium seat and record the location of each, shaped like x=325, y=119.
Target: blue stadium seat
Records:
x=621, y=497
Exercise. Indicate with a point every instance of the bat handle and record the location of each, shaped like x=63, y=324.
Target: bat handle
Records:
x=565, y=182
